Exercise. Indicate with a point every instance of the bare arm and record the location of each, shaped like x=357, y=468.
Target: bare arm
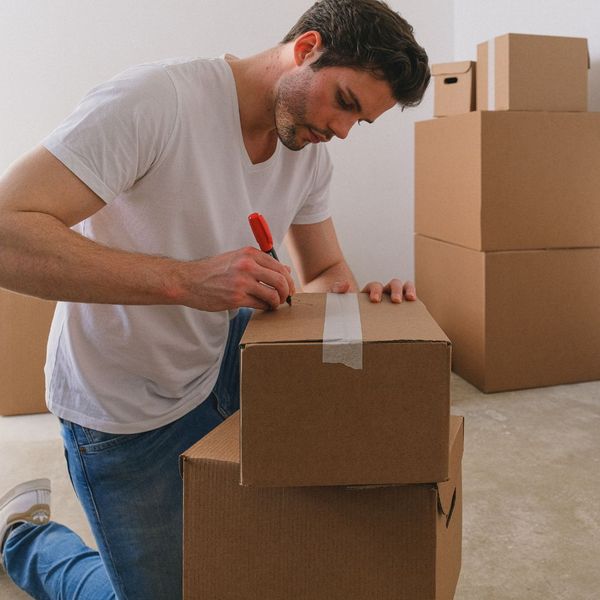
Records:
x=40, y=199
x=322, y=267
x=318, y=258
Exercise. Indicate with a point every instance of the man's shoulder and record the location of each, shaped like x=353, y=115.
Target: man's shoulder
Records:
x=180, y=68
x=192, y=67
x=161, y=81
x=194, y=77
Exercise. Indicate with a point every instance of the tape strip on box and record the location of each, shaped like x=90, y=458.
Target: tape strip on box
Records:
x=342, y=331
x=491, y=74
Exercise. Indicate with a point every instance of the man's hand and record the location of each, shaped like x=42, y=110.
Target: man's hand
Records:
x=397, y=290
x=245, y=277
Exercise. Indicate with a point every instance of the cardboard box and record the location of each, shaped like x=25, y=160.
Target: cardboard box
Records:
x=509, y=180
x=533, y=72
x=518, y=319
x=454, y=88
x=308, y=543
x=308, y=422
x=25, y=323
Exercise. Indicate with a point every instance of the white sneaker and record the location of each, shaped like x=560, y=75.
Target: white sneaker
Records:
x=28, y=502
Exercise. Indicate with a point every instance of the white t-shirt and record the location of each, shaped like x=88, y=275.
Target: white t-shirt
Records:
x=162, y=145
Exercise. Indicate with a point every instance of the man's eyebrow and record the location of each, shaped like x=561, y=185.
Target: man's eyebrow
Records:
x=357, y=104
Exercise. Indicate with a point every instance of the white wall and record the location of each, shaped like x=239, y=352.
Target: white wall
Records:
x=373, y=188
x=53, y=52
x=478, y=20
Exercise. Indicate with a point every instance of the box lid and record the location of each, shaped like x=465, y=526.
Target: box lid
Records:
x=222, y=444
x=549, y=37
x=452, y=68
x=381, y=322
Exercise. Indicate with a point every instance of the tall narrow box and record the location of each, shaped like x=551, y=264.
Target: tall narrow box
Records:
x=308, y=421
x=25, y=324
x=533, y=72
x=308, y=543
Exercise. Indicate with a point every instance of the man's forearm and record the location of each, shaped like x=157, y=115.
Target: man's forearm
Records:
x=338, y=273
x=41, y=257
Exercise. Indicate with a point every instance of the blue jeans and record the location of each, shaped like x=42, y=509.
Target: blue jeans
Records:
x=131, y=490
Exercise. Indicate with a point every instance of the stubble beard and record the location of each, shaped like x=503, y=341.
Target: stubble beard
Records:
x=290, y=109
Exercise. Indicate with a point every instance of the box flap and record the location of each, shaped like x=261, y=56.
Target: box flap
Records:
x=447, y=489
x=589, y=63
x=381, y=322
x=222, y=444
x=453, y=68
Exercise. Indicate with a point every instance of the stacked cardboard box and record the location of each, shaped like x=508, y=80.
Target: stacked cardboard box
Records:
x=309, y=422
x=454, y=88
x=507, y=223
x=25, y=323
x=320, y=448
x=533, y=72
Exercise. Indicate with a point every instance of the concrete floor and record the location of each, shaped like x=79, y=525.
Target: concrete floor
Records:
x=531, y=490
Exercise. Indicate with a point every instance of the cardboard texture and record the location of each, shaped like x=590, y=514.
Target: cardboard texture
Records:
x=25, y=323
x=454, y=85
x=509, y=180
x=516, y=319
x=312, y=543
x=305, y=422
x=533, y=72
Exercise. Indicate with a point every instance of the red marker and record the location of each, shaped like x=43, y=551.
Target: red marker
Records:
x=262, y=233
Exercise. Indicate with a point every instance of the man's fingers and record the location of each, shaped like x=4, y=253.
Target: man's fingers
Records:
x=410, y=292
x=340, y=287
x=395, y=289
x=267, y=261
x=275, y=274
x=262, y=299
x=375, y=290
x=275, y=280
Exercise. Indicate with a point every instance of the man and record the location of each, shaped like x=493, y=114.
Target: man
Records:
x=133, y=214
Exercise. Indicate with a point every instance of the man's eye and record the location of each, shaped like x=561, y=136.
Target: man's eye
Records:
x=343, y=104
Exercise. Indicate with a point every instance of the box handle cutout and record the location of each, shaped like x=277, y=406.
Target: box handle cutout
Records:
x=451, y=511
x=450, y=80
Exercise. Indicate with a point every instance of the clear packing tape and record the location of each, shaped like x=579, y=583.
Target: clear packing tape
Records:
x=342, y=331
x=491, y=74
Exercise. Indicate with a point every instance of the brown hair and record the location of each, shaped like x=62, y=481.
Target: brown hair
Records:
x=370, y=36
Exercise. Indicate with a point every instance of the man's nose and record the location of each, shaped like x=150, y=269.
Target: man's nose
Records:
x=342, y=125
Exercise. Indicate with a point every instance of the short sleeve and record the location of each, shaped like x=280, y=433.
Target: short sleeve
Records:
x=119, y=130
x=316, y=206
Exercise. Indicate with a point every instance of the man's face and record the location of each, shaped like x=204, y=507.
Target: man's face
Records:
x=313, y=106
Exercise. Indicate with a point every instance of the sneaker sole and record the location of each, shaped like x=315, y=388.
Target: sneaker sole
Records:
x=22, y=488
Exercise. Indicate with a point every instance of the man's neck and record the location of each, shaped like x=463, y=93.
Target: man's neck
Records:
x=256, y=82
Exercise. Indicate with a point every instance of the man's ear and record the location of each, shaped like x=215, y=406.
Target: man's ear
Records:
x=307, y=47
